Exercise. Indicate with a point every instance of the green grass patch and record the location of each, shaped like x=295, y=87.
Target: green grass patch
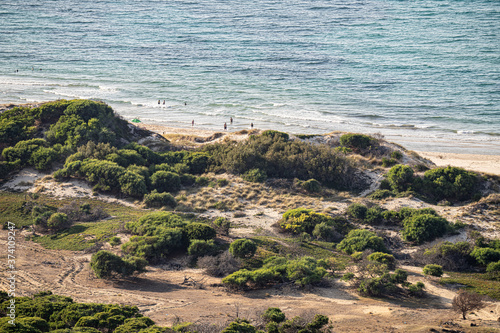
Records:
x=79, y=237
x=475, y=282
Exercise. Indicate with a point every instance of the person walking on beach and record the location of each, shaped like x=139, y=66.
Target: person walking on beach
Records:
x=225, y=126
x=251, y=125
x=192, y=123
x=231, y=119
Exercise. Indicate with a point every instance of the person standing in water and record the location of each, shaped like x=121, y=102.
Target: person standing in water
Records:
x=251, y=125
x=225, y=126
x=158, y=102
x=231, y=119
x=192, y=123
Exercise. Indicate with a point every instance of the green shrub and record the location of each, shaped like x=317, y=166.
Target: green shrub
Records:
x=105, y=264
x=376, y=286
x=255, y=176
x=400, y=177
x=355, y=141
x=416, y=289
x=383, y=258
x=347, y=277
x=374, y=216
x=223, y=225
x=324, y=232
x=274, y=315
x=388, y=162
x=451, y=256
x=197, y=230
x=42, y=158
x=485, y=255
x=303, y=220
x=451, y=183
x=166, y=181
x=285, y=159
x=423, y=228
x=493, y=267
x=114, y=241
x=155, y=199
x=199, y=247
x=243, y=248
x=360, y=240
x=134, y=325
x=202, y=181
x=275, y=135
x=58, y=221
x=397, y=154
x=433, y=270
x=311, y=185
x=357, y=211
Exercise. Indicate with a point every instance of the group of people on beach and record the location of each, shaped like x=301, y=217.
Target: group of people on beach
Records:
x=192, y=122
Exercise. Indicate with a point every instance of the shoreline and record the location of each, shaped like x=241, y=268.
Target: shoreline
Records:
x=489, y=164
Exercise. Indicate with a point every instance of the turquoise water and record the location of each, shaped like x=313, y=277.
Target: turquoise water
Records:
x=425, y=74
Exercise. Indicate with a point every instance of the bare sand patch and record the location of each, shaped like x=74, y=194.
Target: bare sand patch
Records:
x=475, y=162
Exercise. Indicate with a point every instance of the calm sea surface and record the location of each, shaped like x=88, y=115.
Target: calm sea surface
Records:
x=425, y=74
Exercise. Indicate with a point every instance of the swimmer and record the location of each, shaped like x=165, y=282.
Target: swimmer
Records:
x=163, y=102
x=231, y=119
x=251, y=125
x=158, y=102
x=225, y=126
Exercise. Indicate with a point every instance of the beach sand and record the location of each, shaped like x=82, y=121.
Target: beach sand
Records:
x=480, y=163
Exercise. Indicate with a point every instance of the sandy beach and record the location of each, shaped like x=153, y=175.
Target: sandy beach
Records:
x=480, y=163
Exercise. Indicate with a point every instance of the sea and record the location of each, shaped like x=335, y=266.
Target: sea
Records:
x=424, y=74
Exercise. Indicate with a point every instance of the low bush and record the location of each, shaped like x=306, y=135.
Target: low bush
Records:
x=382, y=194
x=359, y=240
x=155, y=199
x=485, y=255
x=451, y=183
x=311, y=186
x=355, y=141
x=383, y=258
x=166, y=181
x=106, y=264
x=451, y=256
x=255, y=176
x=357, y=211
x=400, y=178
x=223, y=225
x=243, y=248
x=423, y=228
x=304, y=220
x=200, y=247
x=302, y=272
x=58, y=221
x=202, y=231
x=493, y=267
x=433, y=270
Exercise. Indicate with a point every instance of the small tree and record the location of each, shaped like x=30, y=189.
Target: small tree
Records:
x=466, y=301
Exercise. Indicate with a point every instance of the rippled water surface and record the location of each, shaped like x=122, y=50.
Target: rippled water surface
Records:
x=423, y=73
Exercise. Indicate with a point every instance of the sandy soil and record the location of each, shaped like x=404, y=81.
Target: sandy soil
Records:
x=481, y=163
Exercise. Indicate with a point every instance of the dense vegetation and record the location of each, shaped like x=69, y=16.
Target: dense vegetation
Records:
x=46, y=312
